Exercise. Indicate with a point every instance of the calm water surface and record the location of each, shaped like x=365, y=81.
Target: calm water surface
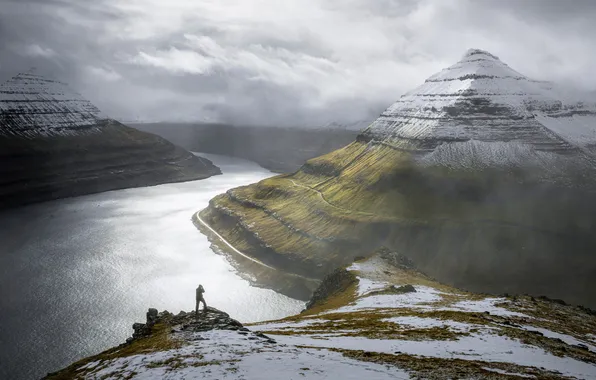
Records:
x=76, y=273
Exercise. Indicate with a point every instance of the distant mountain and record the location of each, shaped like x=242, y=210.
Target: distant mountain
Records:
x=279, y=149
x=484, y=177
x=56, y=144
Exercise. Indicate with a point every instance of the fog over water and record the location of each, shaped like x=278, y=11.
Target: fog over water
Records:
x=76, y=273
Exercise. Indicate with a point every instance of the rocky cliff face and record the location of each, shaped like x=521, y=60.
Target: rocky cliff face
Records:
x=378, y=319
x=481, y=175
x=56, y=144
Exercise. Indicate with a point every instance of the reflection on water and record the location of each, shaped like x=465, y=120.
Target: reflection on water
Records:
x=76, y=273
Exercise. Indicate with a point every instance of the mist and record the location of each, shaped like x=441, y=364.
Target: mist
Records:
x=296, y=63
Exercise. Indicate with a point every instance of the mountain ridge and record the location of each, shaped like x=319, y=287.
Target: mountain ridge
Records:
x=379, y=318
x=56, y=144
x=508, y=211
x=481, y=98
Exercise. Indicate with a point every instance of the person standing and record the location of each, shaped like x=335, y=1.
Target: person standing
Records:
x=200, y=298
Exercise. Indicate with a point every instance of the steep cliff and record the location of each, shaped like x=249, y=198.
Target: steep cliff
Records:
x=55, y=144
x=483, y=176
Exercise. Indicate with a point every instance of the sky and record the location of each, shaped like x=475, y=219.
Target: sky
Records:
x=285, y=63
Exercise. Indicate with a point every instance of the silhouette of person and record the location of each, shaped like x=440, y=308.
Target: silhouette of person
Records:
x=200, y=298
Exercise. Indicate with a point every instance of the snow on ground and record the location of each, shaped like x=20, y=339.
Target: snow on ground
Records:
x=290, y=324
x=484, y=305
x=474, y=342
x=427, y=323
x=483, y=346
x=568, y=339
x=223, y=354
x=420, y=299
x=423, y=329
x=500, y=371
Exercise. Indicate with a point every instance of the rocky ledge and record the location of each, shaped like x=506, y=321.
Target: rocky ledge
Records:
x=381, y=319
x=164, y=333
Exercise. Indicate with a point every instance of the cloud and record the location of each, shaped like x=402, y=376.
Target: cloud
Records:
x=99, y=73
x=283, y=63
x=35, y=50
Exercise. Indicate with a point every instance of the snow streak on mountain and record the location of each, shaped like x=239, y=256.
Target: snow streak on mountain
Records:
x=32, y=105
x=482, y=99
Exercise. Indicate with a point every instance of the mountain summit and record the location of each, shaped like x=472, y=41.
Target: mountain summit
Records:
x=55, y=144
x=485, y=178
x=33, y=105
x=482, y=99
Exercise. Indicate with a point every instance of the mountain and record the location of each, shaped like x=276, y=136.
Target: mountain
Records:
x=485, y=178
x=278, y=149
x=479, y=103
x=56, y=144
x=380, y=318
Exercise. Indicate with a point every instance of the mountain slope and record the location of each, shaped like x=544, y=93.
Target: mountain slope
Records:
x=378, y=319
x=462, y=174
x=55, y=144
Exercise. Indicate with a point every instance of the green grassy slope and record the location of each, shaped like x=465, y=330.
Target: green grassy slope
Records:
x=489, y=230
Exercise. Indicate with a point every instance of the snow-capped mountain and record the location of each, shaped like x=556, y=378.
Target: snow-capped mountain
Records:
x=482, y=99
x=56, y=144
x=481, y=175
x=33, y=105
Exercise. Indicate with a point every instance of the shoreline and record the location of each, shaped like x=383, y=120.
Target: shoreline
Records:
x=256, y=272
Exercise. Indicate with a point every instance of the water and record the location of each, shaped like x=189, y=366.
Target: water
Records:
x=76, y=273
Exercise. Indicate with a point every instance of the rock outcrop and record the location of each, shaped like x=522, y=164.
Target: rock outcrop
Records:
x=485, y=178
x=365, y=330
x=56, y=144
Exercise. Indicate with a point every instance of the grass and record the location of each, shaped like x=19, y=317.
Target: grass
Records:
x=159, y=340
x=437, y=368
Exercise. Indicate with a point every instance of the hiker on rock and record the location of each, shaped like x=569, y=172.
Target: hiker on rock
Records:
x=200, y=291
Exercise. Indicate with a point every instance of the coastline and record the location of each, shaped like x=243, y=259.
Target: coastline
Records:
x=255, y=271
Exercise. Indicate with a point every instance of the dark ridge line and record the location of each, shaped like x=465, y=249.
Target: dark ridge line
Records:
x=473, y=52
x=405, y=116
x=472, y=76
x=78, y=127
x=573, y=113
x=13, y=112
x=466, y=93
x=34, y=78
x=30, y=93
x=43, y=101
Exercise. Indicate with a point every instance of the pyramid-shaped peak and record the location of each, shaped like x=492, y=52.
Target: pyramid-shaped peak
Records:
x=31, y=82
x=32, y=104
x=478, y=54
x=477, y=64
x=481, y=98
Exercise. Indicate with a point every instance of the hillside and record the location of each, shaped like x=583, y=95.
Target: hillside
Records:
x=481, y=175
x=278, y=149
x=56, y=144
x=378, y=319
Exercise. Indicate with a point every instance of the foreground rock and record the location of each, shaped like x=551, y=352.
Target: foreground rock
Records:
x=55, y=144
x=485, y=177
x=359, y=327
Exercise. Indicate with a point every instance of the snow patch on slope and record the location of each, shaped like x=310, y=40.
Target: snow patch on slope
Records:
x=220, y=354
x=31, y=105
x=482, y=99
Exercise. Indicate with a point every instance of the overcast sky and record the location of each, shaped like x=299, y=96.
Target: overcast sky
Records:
x=283, y=62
